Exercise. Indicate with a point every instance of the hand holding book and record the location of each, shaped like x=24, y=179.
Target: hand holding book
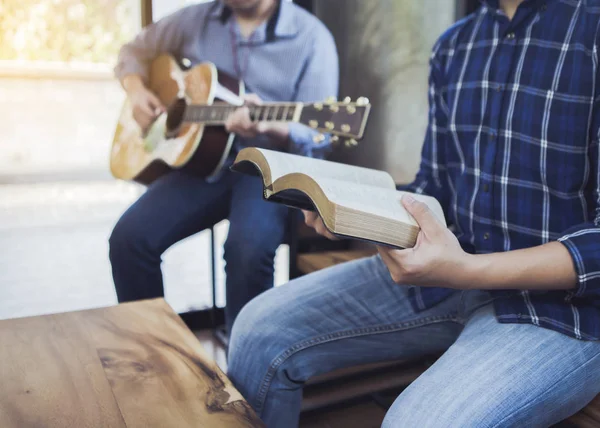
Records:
x=437, y=259
x=312, y=219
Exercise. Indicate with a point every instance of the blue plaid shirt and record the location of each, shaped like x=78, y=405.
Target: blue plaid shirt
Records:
x=511, y=149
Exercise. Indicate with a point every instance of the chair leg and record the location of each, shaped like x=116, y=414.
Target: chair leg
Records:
x=293, y=243
x=213, y=311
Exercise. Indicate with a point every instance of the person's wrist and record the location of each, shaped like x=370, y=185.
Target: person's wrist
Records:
x=132, y=84
x=466, y=269
x=277, y=131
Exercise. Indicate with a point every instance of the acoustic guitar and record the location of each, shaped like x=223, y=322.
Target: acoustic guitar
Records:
x=191, y=134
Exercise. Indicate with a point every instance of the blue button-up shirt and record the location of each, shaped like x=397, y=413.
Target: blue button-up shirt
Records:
x=290, y=57
x=511, y=149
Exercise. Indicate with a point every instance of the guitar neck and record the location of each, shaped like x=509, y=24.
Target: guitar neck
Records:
x=217, y=114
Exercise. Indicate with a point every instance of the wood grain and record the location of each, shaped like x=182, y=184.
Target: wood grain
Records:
x=312, y=262
x=50, y=377
x=132, y=365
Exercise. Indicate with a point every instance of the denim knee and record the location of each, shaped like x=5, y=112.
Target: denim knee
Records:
x=125, y=241
x=248, y=255
x=255, y=342
x=117, y=242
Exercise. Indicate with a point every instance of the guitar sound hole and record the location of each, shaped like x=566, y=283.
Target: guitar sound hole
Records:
x=175, y=115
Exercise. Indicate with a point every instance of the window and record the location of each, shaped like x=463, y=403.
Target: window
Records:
x=58, y=201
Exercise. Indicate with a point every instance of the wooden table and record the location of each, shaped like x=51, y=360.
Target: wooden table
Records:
x=132, y=365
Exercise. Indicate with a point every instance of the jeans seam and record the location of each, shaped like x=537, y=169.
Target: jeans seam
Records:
x=524, y=406
x=332, y=337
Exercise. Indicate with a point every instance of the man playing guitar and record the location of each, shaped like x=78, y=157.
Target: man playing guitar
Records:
x=281, y=53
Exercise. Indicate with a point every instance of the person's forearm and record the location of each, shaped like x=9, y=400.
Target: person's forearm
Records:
x=132, y=83
x=546, y=267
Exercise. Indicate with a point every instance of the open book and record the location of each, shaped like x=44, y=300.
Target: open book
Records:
x=353, y=202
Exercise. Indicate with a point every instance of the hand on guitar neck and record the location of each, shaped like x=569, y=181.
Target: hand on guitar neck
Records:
x=147, y=107
x=240, y=123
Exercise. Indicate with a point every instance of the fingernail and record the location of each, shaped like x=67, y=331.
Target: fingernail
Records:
x=408, y=199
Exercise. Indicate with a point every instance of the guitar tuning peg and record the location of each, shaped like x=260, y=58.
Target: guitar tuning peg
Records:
x=351, y=142
x=335, y=139
x=362, y=101
x=347, y=100
x=330, y=100
x=319, y=138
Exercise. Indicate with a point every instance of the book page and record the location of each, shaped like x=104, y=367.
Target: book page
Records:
x=285, y=163
x=376, y=201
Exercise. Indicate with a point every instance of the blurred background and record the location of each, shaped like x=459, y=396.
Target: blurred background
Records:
x=59, y=104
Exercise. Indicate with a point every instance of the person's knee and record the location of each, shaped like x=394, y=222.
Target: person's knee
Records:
x=125, y=240
x=247, y=254
x=254, y=343
x=423, y=407
x=430, y=415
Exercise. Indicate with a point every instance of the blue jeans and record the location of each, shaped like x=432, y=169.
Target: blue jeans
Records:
x=490, y=375
x=179, y=205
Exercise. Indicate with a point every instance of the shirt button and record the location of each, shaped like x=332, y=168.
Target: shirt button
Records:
x=492, y=135
x=510, y=36
x=486, y=188
x=498, y=88
x=486, y=236
x=544, y=7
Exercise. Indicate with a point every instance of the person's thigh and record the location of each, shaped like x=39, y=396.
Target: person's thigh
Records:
x=501, y=375
x=174, y=207
x=346, y=315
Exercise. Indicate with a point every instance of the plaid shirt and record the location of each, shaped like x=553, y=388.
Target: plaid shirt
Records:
x=511, y=149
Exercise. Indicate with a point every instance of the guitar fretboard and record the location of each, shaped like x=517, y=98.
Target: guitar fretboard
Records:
x=217, y=114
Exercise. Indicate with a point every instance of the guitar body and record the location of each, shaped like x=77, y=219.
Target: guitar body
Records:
x=198, y=148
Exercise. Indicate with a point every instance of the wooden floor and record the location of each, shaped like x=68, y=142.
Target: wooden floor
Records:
x=357, y=414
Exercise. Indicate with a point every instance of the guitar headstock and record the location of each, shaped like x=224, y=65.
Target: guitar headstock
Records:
x=343, y=120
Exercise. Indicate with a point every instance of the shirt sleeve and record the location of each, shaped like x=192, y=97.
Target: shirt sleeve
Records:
x=318, y=81
x=164, y=36
x=583, y=240
x=429, y=177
